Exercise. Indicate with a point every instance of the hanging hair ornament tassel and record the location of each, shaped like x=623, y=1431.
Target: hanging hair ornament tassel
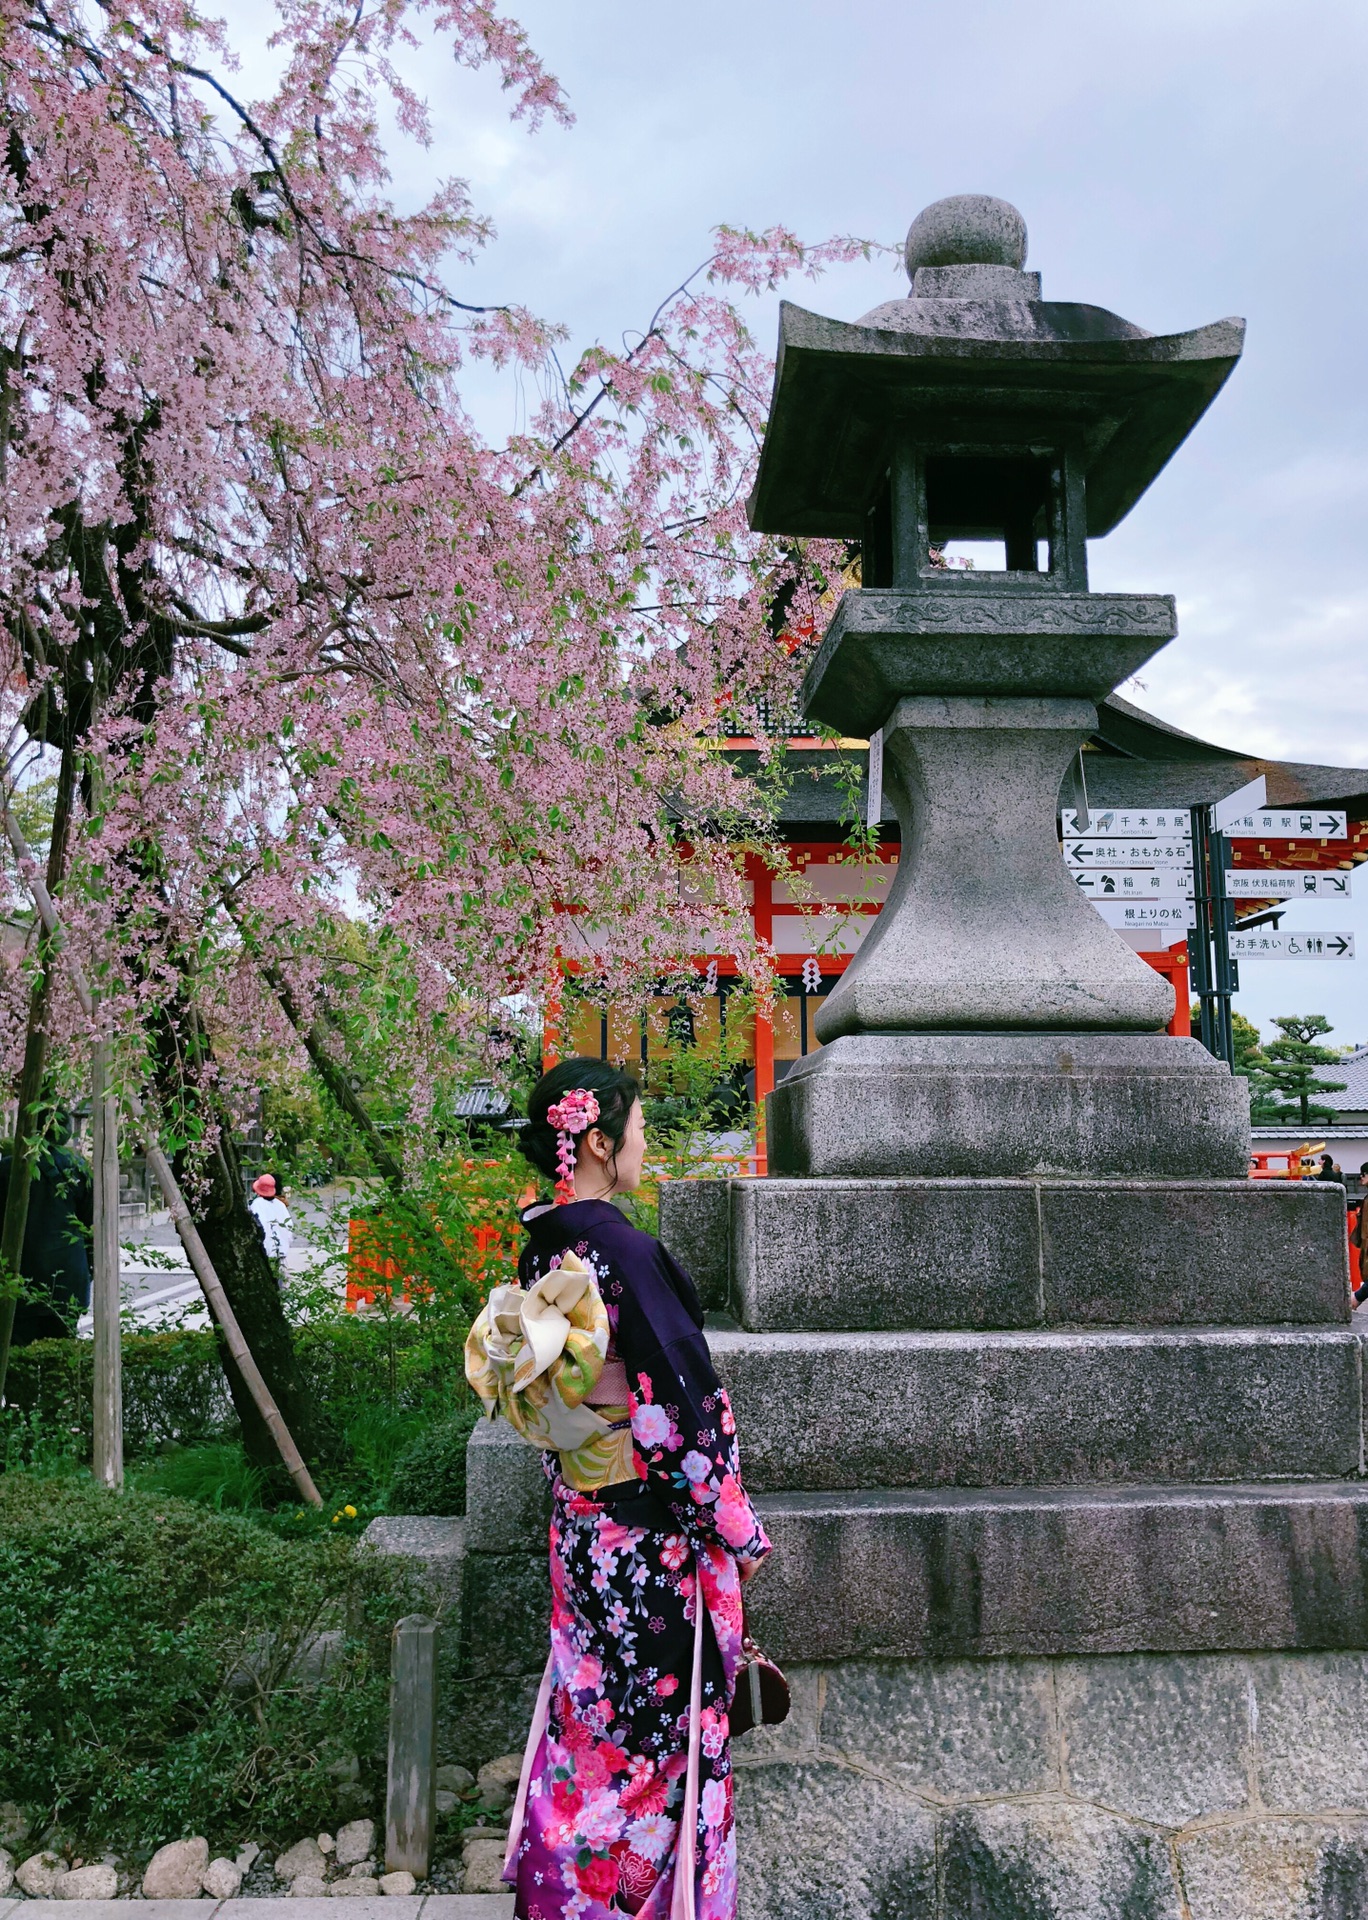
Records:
x=573, y=1115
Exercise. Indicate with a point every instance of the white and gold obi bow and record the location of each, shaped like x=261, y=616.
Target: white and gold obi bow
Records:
x=533, y=1355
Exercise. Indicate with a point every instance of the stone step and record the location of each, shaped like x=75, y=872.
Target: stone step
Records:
x=841, y=1254
x=1008, y=1571
x=838, y=1410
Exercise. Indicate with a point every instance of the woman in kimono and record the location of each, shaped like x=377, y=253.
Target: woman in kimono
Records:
x=625, y=1805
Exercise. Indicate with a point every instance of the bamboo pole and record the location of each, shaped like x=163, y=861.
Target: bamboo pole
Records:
x=195, y=1250
x=107, y=1452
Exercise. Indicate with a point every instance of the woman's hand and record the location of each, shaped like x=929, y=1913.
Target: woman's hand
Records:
x=747, y=1569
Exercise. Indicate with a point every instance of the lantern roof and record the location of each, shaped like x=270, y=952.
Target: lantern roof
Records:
x=974, y=357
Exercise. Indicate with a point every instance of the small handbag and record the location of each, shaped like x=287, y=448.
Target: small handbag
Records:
x=762, y=1692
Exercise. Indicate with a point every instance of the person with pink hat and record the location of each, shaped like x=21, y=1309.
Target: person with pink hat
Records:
x=273, y=1217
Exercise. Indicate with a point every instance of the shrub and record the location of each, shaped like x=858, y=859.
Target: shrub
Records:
x=430, y=1474
x=368, y=1378
x=152, y=1672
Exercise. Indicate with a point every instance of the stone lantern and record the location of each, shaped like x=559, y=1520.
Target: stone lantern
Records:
x=992, y=1022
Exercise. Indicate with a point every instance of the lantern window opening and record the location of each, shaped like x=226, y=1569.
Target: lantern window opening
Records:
x=997, y=510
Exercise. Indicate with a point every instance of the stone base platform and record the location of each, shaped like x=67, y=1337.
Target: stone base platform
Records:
x=820, y=1411
x=1010, y=1571
x=1138, y=1787
x=995, y=1105
x=919, y=1253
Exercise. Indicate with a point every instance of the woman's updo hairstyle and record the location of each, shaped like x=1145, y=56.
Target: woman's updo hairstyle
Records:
x=616, y=1092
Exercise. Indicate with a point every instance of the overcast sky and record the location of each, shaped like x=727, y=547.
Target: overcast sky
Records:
x=1174, y=161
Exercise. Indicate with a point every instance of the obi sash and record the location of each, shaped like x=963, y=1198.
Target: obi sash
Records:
x=537, y=1356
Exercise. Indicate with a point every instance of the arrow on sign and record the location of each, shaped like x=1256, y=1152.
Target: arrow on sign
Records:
x=1128, y=853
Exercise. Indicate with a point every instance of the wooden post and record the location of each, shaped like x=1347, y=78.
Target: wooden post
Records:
x=107, y=1458
x=410, y=1804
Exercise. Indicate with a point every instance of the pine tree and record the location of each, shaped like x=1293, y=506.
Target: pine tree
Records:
x=1288, y=1073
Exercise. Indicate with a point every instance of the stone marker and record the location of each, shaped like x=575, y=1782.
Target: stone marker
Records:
x=410, y=1811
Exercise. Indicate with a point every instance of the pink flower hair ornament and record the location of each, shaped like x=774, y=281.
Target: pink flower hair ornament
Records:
x=573, y=1115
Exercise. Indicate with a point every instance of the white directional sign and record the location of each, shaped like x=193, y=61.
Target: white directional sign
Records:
x=1098, y=854
x=1178, y=914
x=1141, y=883
x=1129, y=823
x=1264, y=883
x=1291, y=946
x=1290, y=823
x=1245, y=799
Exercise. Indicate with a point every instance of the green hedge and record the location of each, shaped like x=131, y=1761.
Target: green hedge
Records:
x=175, y=1393
x=151, y=1672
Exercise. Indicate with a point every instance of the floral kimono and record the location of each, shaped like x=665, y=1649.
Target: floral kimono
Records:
x=625, y=1805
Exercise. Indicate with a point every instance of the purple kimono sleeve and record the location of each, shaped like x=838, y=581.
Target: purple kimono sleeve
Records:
x=686, y=1438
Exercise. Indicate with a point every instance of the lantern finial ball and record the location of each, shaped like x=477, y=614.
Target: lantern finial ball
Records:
x=967, y=230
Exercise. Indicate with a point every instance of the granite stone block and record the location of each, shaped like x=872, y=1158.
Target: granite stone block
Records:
x=508, y=1497
x=953, y=1729
x=505, y=1615
x=488, y=1716
x=839, y=1254
x=1050, y=1860
x=1277, y=1870
x=1311, y=1713
x=818, y=1840
x=883, y=641
x=1042, y=1408
x=1251, y=1252
x=890, y=1254
x=906, y=1574
x=1010, y=1105
x=1160, y=1737
x=695, y=1226
x=435, y=1546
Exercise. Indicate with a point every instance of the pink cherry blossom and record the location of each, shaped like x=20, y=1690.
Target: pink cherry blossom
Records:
x=394, y=718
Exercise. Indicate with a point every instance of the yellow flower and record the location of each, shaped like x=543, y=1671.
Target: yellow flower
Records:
x=350, y=1512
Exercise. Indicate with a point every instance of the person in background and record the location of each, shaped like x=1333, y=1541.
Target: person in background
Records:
x=1357, y=1237
x=273, y=1217
x=55, y=1261
x=1328, y=1170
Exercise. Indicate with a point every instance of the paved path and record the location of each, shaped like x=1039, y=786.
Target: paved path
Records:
x=429, y=1906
